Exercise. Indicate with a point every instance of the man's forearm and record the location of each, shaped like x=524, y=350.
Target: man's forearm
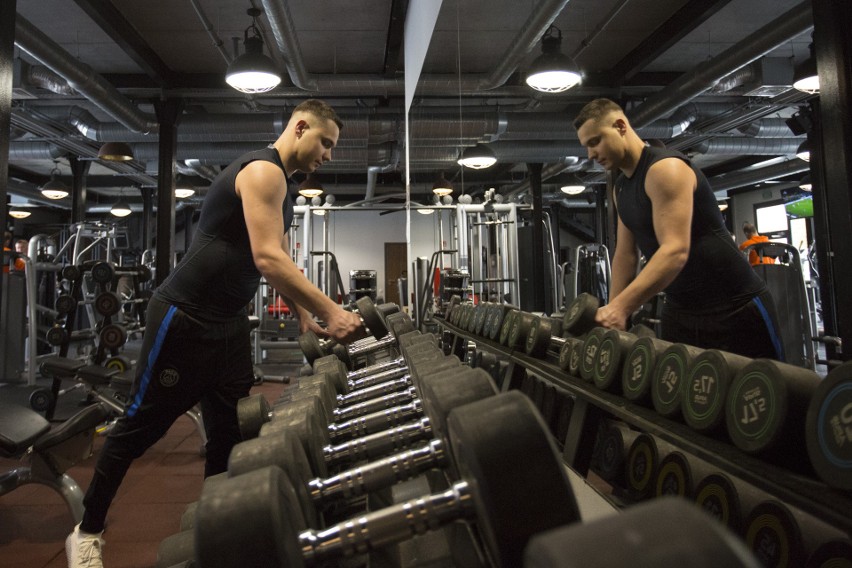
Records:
x=660, y=271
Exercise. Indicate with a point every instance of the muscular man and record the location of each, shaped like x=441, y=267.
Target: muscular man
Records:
x=196, y=346
x=667, y=210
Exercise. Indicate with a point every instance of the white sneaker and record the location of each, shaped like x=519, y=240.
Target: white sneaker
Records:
x=83, y=550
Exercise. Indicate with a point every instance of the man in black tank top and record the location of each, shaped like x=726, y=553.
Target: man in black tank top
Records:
x=668, y=212
x=196, y=347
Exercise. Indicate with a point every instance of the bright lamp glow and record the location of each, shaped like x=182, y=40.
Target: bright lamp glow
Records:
x=184, y=192
x=54, y=188
x=19, y=213
x=572, y=189
x=552, y=72
x=121, y=209
x=253, y=72
x=477, y=158
x=804, y=151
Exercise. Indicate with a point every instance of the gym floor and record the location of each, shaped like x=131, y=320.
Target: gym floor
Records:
x=34, y=519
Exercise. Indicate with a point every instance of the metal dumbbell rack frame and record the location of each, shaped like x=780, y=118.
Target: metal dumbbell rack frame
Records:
x=592, y=406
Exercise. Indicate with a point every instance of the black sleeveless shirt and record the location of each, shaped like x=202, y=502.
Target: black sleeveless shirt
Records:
x=716, y=272
x=217, y=277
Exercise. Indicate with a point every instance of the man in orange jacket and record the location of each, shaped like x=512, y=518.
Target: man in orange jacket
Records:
x=752, y=237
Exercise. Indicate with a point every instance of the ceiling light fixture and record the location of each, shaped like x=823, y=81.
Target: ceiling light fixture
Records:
x=19, y=213
x=121, y=207
x=552, y=71
x=805, y=183
x=803, y=152
x=442, y=187
x=183, y=187
x=805, y=76
x=573, y=186
x=54, y=188
x=253, y=72
x=310, y=187
x=477, y=157
x=723, y=205
x=115, y=152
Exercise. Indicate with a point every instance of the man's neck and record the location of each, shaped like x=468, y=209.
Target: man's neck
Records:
x=632, y=156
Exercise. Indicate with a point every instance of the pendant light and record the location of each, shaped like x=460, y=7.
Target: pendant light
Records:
x=253, y=72
x=54, y=188
x=310, y=187
x=805, y=76
x=478, y=157
x=442, y=187
x=115, y=152
x=552, y=71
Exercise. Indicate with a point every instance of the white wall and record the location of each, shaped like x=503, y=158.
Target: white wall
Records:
x=357, y=238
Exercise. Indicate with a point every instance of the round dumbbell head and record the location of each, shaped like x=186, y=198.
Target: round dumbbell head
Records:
x=674, y=476
x=282, y=450
x=506, y=326
x=590, y=353
x=253, y=519
x=565, y=352
x=102, y=272
x=336, y=371
x=771, y=532
x=107, y=303
x=113, y=336
x=65, y=304
x=580, y=315
x=252, y=413
x=500, y=444
x=56, y=335
x=614, y=346
x=669, y=378
x=718, y=497
x=311, y=432
x=706, y=388
x=371, y=316
x=311, y=346
x=639, y=368
x=444, y=391
x=119, y=363
x=538, y=337
x=71, y=272
x=829, y=428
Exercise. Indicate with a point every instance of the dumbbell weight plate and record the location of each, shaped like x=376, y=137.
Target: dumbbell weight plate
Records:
x=669, y=378
x=119, y=363
x=565, y=352
x=311, y=346
x=102, y=272
x=65, y=304
x=615, y=345
x=283, y=450
x=538, y=338
x=590, y=353
x=252, y=413
x=580, y=315
x=371, y=316
x=56, y=335
x=639, y=368
x=70, y=272
x=829, y=428
x=113, y=336
x=107, y=303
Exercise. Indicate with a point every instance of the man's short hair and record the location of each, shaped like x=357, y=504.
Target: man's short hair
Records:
x=596, y=110
x=320, y=109
x=749, y=229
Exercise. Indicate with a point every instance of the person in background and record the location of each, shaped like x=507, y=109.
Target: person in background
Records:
x=752, y=237
x=668, y=212
x=197, y=345
x=21, y=246
x=7, y=247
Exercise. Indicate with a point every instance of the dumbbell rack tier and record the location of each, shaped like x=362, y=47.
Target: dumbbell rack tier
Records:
x=591, y=405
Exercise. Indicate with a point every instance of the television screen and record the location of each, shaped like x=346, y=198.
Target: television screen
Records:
x=802, y=207
x=771, y=219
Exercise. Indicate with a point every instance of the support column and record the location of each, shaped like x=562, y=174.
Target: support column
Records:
x=168, y=115
x=537, y=239
x=831, y=167
x=79, y=173
x=7, y=49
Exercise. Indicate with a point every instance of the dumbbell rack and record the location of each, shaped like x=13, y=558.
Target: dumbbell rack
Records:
x=592, y=405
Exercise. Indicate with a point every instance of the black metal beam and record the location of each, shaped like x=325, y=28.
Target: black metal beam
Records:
x=79, y=171
x=168, y=115
x=396, y=32
x=679, y=25
x=7, y=49
x=111, y=21
x=537, y=239
x=832, y=164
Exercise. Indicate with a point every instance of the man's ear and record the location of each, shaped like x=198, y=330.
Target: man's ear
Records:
x=620, y=125
x=301, y=126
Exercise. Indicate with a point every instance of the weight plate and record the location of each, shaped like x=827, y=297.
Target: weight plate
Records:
x=580, y=315
x=102, y=272
x=717, y=495
x=119, y=363
x=56, y=335
x=113, y=336
x=501, y=444
x=107, y=303
x=371, y=316
x=772, y=534
x=65, y=304
x=706, y=388
x=252, y=413
x=829, y=428
x=311, y=346
x=669, y=378
x=639, y=367
x=674, y=476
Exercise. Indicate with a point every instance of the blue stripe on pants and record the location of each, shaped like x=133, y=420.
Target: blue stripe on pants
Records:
x=773, y=335
x=152, y=358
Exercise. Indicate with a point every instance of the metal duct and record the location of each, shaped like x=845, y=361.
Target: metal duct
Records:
x=32, y=150
x=752, y=146
x=41, y=76
x=777, y=32
x=281, y=24
x=81, y=77
x=767, y=128
x=743, y=178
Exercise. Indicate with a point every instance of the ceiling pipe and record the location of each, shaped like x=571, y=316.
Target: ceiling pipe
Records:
x=81, y=77
x=748, y=146
x=527, y=38
x=793, y=23
x=768, y=128
x=34, y=150
x=742, y=178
